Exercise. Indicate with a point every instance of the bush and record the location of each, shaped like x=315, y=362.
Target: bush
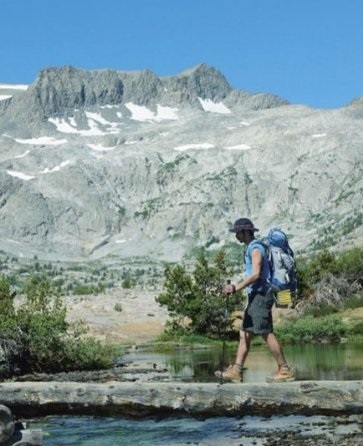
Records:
x=351, y=264
x=48, y=343
x=127, y=283
x=118, y=307
x=83, y=289
x=328, y=281
x=196, y=302
x=311, y=329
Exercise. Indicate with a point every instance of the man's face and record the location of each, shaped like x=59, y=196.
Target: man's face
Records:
x=241, y=236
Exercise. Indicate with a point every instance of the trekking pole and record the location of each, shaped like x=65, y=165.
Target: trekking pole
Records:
x=225, y=319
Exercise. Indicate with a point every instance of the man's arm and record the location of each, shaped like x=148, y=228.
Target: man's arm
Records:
x=256, y=258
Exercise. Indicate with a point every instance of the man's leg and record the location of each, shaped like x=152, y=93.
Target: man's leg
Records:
x=275, y=348
x=284, y=372
x=234, y=371
x=243, y=347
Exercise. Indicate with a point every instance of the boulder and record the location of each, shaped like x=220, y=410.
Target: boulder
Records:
x=7, y=424
x=14, y=434
x=10, y=358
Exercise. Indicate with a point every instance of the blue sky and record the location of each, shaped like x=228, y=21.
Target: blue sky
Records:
x=307, y=51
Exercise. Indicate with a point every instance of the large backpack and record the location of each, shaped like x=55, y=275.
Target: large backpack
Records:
x=281, y=260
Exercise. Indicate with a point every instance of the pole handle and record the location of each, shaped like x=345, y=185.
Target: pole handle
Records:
x=228, y=282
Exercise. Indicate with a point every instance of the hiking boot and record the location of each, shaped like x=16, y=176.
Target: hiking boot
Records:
x=231, y=373
x=285, y=374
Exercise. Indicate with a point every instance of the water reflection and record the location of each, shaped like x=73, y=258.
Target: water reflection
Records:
x=312, y=362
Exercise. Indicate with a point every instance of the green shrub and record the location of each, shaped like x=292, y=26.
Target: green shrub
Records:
x=328, y=281
x=118, y=307
x=127, y=283
x=351, y=263
x=82, y=289
x=355, y=301
x=311, y=329
x=311, y=271
x=196, y=301
x=47, y=341
x=356, y=329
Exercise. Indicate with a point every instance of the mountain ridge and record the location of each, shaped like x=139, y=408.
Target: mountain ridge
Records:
x=103, y=162
x=58, y=91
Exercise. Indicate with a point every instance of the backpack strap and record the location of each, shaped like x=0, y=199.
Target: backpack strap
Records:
x=263, y=284
x=257, y=242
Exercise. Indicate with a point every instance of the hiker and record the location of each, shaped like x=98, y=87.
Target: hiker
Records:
x=257, y=318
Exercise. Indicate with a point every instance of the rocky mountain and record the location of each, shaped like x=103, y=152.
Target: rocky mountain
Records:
x=106, y=163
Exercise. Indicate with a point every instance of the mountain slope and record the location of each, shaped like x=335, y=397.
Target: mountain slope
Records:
x=94, y=163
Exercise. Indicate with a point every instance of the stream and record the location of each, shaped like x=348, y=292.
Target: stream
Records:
x=222, y=431
x=312, y=362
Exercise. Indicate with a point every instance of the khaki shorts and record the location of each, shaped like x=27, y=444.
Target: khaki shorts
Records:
x=258, y=315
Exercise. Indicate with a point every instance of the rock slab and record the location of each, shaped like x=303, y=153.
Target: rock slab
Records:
x=124, y=399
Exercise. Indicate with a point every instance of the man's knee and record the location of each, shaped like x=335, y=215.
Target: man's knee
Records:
x=245, y=337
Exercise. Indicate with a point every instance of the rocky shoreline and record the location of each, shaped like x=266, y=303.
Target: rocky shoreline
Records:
x=125, y=372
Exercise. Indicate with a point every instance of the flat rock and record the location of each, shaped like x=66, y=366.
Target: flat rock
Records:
x=141, y=399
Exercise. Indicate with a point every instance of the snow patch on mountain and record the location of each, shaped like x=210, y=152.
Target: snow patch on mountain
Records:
x=166, y=113
x=72, y=121
x=23, y=155
x=56, y=168
x=100, y=148
x=139, y=112
x=214, y=107
x=13, y=87
x=109, y=106
x=98, y=118
x=43, y=140
x=203, y=146
x=319, y=135
x=239, y=147
x=142, y=113
x=64, y=127
x=20, y=175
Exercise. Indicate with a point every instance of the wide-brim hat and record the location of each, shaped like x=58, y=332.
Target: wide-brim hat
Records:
x=243, y=224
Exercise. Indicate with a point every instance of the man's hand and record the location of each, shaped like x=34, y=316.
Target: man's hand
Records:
x=230, y=288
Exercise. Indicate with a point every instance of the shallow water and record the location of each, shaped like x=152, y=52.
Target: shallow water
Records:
x=312, y=362
x=90, y=431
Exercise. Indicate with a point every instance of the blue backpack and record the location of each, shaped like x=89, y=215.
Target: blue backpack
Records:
x=281, y=260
